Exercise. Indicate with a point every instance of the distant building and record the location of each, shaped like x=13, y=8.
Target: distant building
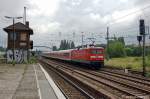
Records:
x=18, y=42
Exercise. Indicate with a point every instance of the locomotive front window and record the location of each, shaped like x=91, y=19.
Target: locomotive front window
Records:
x=96, y=52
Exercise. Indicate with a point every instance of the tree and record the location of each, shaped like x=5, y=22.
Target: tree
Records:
x=116, y=49
x=65, y=44
x=72, y=45
x=2, y=49
x=129, y=51
x=137, y=51
x=121, y=39
x=54, y=48
x=61, y=45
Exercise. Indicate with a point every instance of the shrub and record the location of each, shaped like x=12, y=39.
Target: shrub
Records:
x=116, y=49
x=129, y=51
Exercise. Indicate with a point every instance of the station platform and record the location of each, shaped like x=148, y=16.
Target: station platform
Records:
x=27, y=82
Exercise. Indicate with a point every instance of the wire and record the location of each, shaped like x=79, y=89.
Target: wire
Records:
x=122, y=17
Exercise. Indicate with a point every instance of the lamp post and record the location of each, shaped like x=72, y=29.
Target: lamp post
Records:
x=14, y=38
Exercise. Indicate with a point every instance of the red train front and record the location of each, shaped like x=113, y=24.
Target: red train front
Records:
x=93, y=56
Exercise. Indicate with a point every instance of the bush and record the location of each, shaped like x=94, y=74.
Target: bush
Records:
x=32, y=60
x=137, y=51
x=133, y=51
x=129, y=51
x=137, y=59
x=148, y=57
x=147, y=51
x=116, y=49
x=148, y=74
x=148, y=60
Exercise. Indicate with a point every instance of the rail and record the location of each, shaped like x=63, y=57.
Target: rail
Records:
x=92, y=78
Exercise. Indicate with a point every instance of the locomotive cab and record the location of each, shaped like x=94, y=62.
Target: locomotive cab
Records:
x=96, y=57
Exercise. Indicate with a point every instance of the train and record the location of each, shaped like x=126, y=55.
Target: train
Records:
x=92, y=56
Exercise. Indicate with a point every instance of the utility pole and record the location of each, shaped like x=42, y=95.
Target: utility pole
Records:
x=24, y=21
x=107, y=38
x=73, y=36
x=24, y=16
x=14, y=38
x=82, y=40
x=147, y=30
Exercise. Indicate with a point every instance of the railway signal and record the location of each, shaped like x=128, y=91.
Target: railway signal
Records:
x=31, y=44
x=142, y=33
x=139, y=38
x=142, y=27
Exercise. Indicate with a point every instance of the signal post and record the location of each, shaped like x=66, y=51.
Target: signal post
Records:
x=142, y=33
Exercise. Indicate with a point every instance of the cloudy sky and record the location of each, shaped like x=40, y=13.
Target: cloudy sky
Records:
x=53, y=20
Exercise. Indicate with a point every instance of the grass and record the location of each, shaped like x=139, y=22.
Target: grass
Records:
x=134, y=63
x=32, y=60
x=1, y=55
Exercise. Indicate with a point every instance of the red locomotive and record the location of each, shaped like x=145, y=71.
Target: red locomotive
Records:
x=93, y=56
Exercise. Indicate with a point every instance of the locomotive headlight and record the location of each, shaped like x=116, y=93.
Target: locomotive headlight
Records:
x=100, y=57
x=92, y=56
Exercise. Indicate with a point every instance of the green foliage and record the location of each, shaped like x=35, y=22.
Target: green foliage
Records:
x=66, y=45
x=13, y=62
x=134, y=63
x=116, y=48
x=137, y=51
x=148, y=74
x=121, y=39
x=72, y=45
x=148, y=60
x=147, y=51
x=129, y=51
x=2, y=49
x=148, y=57
x=133, y=51
x=137, y=58
x=54, y=48
x=32, y=60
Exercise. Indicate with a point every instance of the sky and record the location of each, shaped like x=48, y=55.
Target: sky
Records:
x=54, y=20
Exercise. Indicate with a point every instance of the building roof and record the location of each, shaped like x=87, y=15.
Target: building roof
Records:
x=19, y=27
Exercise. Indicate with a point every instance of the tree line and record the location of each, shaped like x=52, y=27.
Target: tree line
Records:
x=117, y=48
x=64, y=45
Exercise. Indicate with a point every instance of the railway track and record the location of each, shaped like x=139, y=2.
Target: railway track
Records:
x=123, y=76
x=68, y=88
x=117, y=72
x=111, y=85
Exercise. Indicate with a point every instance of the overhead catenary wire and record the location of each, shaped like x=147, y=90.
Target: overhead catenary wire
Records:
x=131, y=13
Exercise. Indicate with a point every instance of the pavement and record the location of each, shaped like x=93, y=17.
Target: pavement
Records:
x=24, y=81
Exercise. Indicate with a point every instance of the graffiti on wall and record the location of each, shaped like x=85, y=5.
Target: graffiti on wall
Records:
x=19, y=55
